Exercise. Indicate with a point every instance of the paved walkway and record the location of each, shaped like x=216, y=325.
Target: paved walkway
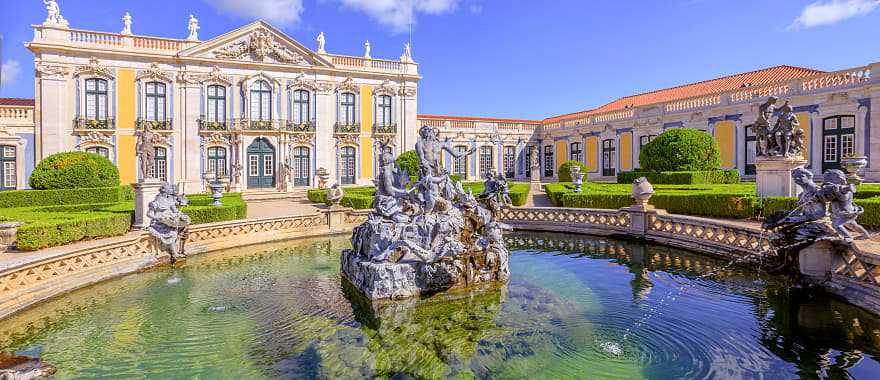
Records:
x=538, y=199
x=281, y=207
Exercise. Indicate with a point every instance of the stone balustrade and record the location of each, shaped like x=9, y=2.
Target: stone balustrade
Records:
x=445, y=124
x=17, y=115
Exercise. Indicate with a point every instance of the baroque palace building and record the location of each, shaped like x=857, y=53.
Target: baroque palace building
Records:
x=265, y=112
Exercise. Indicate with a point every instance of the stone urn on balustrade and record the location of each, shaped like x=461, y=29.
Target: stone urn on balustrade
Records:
x=852, y=165
x=7, y=235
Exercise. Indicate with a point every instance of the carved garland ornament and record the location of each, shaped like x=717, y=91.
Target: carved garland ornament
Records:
x=302, y=82
x=153, y=72
x=347, y=85
x=52, y=71
x=346, y=139
x=301, y=138
x=217, y=138
x=260, y=44
x=95, y=137
x=94, y=68
x=385, y=88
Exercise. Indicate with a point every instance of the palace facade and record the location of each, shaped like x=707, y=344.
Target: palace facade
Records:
x=258, y=109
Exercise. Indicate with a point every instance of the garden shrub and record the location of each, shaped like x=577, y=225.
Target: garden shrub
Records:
x=555, y=191
x=73, y=170
x=682, y=177
x=31, y=198
x=74, y=227
x=409, y=161
x=717, y=205
x=518, y=191
x=681, y=149
x=565, y=170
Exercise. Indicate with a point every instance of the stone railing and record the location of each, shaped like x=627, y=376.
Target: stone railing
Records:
x=110, y=41
x=372, y=65
x=341, y=128
x=704, y=235
x=82, y=123
x=156, y=125
x=589, y=221
x=307, y=127
x=17, y=115
x=488, y=125
x=217, y=125
x=389, y=129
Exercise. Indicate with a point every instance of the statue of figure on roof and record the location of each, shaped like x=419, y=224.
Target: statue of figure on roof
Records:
x=321, y=42
x=193, y=28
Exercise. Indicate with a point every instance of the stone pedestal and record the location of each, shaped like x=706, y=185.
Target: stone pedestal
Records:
x=7, y=235
x=144, y=193
x=773, y=176
x=536, y=180
x=814, y=261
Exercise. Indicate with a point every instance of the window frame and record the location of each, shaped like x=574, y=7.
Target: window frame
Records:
x=263, y=102
x=151, y=101
x=218, y=102
x=95, y=94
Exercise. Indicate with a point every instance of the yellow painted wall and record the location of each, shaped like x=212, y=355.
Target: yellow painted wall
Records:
x=366, y=131
x=561, y=153
x=592, y=152
x=125, y=116
x=626, y=154
x=725, y=134
x=804, y=119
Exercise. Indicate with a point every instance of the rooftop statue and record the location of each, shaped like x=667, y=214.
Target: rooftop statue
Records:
x=126, y=24
x=168, y=224
x=193, y=28
x=321, y=42
x=53, y=14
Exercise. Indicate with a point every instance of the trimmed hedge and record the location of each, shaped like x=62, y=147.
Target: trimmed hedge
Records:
x=730, y=176
x=38, y=235
x=409, y=161
x=32, y=198
x=73, y=170
x=681, y=149
x=201, y=211
x=362, y=197
x=565, y=170
x=518, y=191
x=555, y=191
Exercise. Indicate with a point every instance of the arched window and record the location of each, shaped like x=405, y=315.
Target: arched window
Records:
x=302, y=164
x=160, y=169
x=383, y=110
x=261, y=101
x=301, y=107
x=509, y=160
x=548, y=161
x=96, y=99
x=216, y=103
x=486, y=158
x=577, y=153
x=347, y=109
x=8, y=174
x=346, y=165
x=155, y=108
x=99, y=150
x=459, y=166
x=217, y=161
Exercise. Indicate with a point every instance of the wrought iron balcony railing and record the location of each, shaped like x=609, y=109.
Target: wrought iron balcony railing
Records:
x=98, y=124
x=157, y=125
x=347, y=128
x=389, y=129
x=258, y=125
x=216, y=125
x=308, y=127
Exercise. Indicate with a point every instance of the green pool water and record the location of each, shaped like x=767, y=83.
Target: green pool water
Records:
x=576, y=307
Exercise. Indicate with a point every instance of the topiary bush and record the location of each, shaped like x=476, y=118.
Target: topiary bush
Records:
x=681, y=149
x=409, y=161
x=565, y=170
x=73, y=170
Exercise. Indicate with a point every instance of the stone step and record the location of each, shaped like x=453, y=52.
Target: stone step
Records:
x=274, y=195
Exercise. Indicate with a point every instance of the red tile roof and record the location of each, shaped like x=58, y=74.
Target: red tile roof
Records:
x=16, y=102
x=727, y=83
x=490, y=119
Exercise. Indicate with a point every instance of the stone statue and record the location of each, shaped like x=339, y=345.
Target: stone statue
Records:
x=496, y=194
x=193, y=28
x=334, y=195
x=367, y=50
x=321, y=42
x=126, y=24
x=429, y=148
x=785, y=138
x=577, y=178
x=168, y=224
x=236, y=173
x=53, y=14
x=407, y=53
x=146, y=152
x=844, y=212
x=762, y=126
x=536, y=161
x=323, y=177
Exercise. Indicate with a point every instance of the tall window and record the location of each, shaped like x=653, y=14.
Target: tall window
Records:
x=346, y=109
x=160, y=167
x=261, y=101
x=99, y=150
x=301, y=107
x=459, y=166
x=8, y=175
x=346, y=165
x=548, y=161
x=750, y=153
x=301, y=166
x=486, y=157
x=530, y=150
x=216, y=103
x=509, y=161
x=609, y=157
x=96, y=99
x=217, y=161
x=838, y=140
x=577, y=152
x=383, y=110
x=155, y=92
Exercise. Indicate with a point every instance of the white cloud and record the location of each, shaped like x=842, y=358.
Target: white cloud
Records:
x=10, y=72
x=278, y=12
x=476, y=9
x=400, y=14
x=833, y=11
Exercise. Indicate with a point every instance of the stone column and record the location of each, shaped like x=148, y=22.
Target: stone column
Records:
x=325, y=143
x=144, y=193
x=189, y=147
x=773, y=177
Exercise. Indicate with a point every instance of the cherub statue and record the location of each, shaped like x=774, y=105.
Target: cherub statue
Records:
x=167, y=223
x=844, y=212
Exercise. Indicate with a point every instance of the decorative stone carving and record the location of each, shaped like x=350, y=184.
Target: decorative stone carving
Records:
x=334, y=195
x=496, y=194
x=347, y=85
x=428, y=236
x=126, y=24
x=260, y=45
x=346, y=139
x=193, y=28
x=407, y=53
x=642, y=190
x=321, y=42
x=153, y=73
x=217, y=138
x=146, y=151
x=577, y=178
x=323, y=177
x=47, y=71
x=785, y=138
x=95, y=137
x=385, y=88
x=53, y=14
x=367, y=49
x=168, y=224
x=94, y=68
x=408, y=92
x=301, y=138
x=301, y=81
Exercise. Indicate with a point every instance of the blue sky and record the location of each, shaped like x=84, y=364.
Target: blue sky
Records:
x=515, y=59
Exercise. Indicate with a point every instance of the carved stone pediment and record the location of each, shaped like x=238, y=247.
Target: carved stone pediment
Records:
x=302, y=138
x=94, y=68
x=260, y=46
x=52, y=71
x=407, y=92
x=216, y=138
x=95, y=137
x=346, y=139
x=347, y=85
x=385, y=88
x=302, y=82
x=215, y=76
x=153, y=73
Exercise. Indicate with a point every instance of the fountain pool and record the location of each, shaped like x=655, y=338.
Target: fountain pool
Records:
x=575, y=307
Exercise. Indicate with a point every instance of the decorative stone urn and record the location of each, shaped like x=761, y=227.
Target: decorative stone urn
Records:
x=852, y=165
x=7, y=235
x=323, y=178
x=642, y=191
